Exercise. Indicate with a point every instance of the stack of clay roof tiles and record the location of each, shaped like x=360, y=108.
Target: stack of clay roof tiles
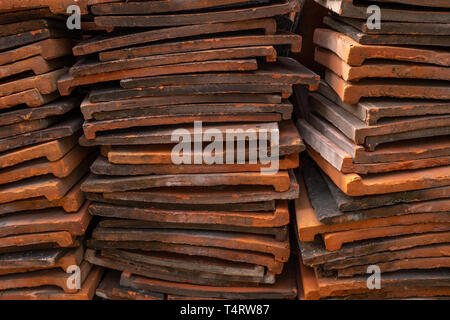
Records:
x=43, y=213
x=378, y=132
x=190, y=230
